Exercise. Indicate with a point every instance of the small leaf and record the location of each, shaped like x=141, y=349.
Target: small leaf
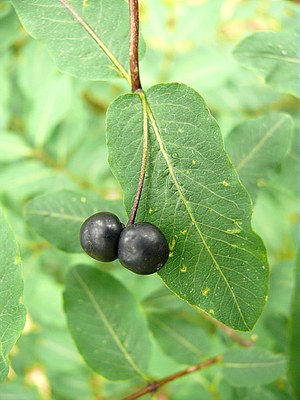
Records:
x=193, y=194
x=87, y=39
x=179, y=338
x=12, y=147
x=258, y=147
x=58, y=216
x=274, y=55
x=294, y=345
x=106, y=324
x=255, y=367
x=12, y=310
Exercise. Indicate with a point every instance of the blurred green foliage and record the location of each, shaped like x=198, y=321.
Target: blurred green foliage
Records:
x=52, y=137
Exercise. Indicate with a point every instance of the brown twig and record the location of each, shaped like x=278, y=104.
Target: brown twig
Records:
x=134, y=45
x=152, y=387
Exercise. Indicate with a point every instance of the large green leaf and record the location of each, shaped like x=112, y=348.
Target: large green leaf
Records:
x=254, y=367
x=193, y=194
x=275, y=56
x=57, y=216
x=257, y=148
x=179, y=338
x=294, y=331
x=106, y=324
x=12, y=310
x=88, y=39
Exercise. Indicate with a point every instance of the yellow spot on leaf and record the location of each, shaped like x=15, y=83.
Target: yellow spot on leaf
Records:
x=183, y=268
x=225, y=183
x=205, y=291
x=211, y=311
x=172, y=244
x=184, y=232
x=194, y=162
x=261, y=183
x=18, y=260
x=171, y=254
x=233, y=230
x=83, y=199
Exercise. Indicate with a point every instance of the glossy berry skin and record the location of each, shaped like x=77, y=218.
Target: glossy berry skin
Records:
x=143, y=249
x=99, y=236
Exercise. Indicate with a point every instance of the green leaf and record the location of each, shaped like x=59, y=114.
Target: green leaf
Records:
x=12, y=310
x=57, y=216
x=51, y=105
x=9, y=29
x=18, y=390
x=179, y=338
x=273, y=55
x=258, y=147
x=12, y=147
x=106, y=324
x=89, y=40
x=5, y=8
x=255, y=367
x=294, y=329
x=193, y=194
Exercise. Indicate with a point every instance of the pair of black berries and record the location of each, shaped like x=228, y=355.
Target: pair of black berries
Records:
x=141, y=247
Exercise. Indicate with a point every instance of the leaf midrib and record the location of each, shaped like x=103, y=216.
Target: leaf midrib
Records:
x=108, y=325
x=289, y=60
x=181, y=339
x=186, y=204
x=55, y=215
x=259, y=144
x=254, y=365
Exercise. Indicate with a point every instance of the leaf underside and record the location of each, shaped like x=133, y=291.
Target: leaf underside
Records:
x=106, y=324
x=194, y=195
x=258, y=147
x=252, y=367
x=275, y=56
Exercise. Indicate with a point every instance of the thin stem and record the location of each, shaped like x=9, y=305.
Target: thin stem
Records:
x=144, y=162
x=154, y=386
x=134, y=45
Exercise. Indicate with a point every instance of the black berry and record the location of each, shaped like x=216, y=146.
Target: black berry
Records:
x=143, y=248
x=99, y=236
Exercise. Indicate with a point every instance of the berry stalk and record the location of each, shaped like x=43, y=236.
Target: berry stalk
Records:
x=143, y=164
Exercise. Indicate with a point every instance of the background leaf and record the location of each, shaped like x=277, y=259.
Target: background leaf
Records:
x=12, y=310
x=274, y=55
x=257, y=148
x=58, y=216
x=107, y=326
x=13, y=147
x=193, y=194
x=252, y=367
x=179, y=338
x=79, y=35
x=294, y=345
